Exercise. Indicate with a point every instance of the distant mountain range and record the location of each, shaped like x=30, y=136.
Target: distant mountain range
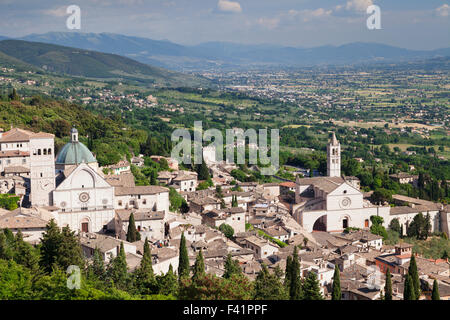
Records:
x=212, y=55
x=90, y=64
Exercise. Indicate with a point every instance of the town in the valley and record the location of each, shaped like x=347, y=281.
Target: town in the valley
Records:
x=328, y=218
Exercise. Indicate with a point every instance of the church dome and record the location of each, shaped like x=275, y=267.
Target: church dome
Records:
x=74, y=152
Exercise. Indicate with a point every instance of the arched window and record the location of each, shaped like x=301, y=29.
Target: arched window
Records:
x=49, y=151
x=44, y=151
x=39, y=152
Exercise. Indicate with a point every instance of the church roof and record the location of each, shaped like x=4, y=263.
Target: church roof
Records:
x=327, y=184
x=74, y=152
x=20, y=135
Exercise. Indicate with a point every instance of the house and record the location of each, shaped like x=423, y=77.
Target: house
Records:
x=203, y=204
x=32, y=227
x=148, y=223
x=109, y=247
x=287, y=187
x=155, y=198
x=187, y=181
x=261, y=247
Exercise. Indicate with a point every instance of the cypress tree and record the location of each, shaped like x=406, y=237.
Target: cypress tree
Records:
x=144, y=274
x=311, y=288
x=435, y=293
x=117, y=269
x=408, y=289
x=50, y=242
x=336, y=289
x=132, y=232
x=295, y=286
x=414, y=274
x=287, y=272
x=388, y=286
x=231, y=267
x=183, y=265
x=199, y=267
x=98, y=267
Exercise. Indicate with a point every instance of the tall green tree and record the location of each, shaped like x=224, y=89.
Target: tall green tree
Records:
x=60, y=248
x=336, y=288
x=435, y=293
x=408, y=289
x=414, y=274
x=268, y=286
x=388, y=286
x=311, y=288
x=144, y=274
x=183, y=265
x=97, y=268
x=132, y=234
x=118, y=271
x=295, y=285
x=199, y=267
x=26, y=255
x=232, y=267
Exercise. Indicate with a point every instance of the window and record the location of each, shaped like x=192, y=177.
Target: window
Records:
x=120, y=202
x=345, y=191
x=24, y=160
x=41, y=174
x=49, y=151
x=45, y=152
x=144, y=201
x=39, y=152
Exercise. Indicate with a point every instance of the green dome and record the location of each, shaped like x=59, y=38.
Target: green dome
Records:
x=74, y=152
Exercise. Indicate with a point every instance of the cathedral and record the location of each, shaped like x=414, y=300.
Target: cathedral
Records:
x=334, y=202
x=71, y=186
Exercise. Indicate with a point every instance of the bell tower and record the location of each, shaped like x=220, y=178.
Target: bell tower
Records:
x=334, y=157
x=42, y=169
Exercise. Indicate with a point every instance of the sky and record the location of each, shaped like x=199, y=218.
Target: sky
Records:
x=412, y=24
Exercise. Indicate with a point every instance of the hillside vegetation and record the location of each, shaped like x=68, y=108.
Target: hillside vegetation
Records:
x=91, y=64
x=109, y=139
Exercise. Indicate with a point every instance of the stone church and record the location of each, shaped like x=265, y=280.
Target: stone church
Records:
x=335, y=202
x=72, y=187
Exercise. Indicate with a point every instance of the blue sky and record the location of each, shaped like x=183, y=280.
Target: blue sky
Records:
x=414, y=24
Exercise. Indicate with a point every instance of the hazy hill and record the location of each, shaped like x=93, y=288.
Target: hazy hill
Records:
x=91, y=64
x=224, y=54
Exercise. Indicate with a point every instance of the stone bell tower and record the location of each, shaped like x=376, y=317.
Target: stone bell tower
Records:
x=334, y=157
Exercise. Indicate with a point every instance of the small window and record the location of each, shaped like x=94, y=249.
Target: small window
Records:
x=120, y=202
x=39, y=152
x=49, y=151
x=345, y=191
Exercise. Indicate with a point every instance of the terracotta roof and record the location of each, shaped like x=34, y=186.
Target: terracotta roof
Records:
x=288, y=184
x=123, y=191
x=13, y=153
x=20, y=221
x=20, y=135
x=16, y=169
x=327, y=184
x=124, y=215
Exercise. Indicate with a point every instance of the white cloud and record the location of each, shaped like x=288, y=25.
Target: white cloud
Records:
x=443, y=11
x=57, y=12
x=229, y=6
x=269, y=23
x=358, y=5
x=308, y=15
